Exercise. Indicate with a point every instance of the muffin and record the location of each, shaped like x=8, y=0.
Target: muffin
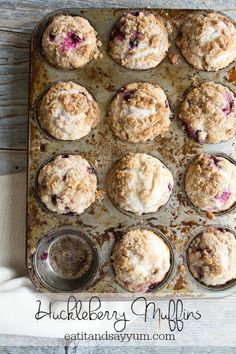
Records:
x=141, y=260
x=210, y=183
x=139, y=183
x=212, y=257
x=67, y=184
x=208, y=41
x=67, y=111
x=139, y=112
x=209, y=113
x=70, y=42
x=139, y=40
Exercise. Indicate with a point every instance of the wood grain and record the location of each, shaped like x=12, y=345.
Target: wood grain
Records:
x=12, y=161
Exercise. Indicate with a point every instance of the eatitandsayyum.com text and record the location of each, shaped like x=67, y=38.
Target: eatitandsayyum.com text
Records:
x=176, y=315
x=119, y=337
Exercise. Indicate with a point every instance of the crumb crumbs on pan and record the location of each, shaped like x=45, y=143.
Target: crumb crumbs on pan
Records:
x=100, y=194
x=181, y=268
x=173, y=58
x=210, y=215
x=180, y=283
x=231, y=75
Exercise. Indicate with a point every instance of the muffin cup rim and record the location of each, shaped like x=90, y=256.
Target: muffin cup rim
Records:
x=201, y=211
x=36, y=185
x=93, y=246
x=45, y=22
x=36, y=112
x=215, y=288
x=129, y=213
x=169, y=274
x=146, y=10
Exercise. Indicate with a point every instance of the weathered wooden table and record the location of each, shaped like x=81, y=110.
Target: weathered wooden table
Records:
x=17, y=19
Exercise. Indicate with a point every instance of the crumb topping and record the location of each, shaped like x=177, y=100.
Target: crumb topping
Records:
x=209, y=183
x=212, y=257
x=208, y=41
x=68, y=112
x=139, y=112
x=140, y=260
x=209, y=113
x=70, y=42
x=139, y=40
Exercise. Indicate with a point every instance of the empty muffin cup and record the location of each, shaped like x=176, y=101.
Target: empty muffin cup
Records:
x=211, y=258
x=66, y=260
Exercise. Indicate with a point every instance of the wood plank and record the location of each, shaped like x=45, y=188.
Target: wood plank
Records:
x=39, y=349
x=33, y=4
x=12, y=161
x=23, y=17
x=14, y=67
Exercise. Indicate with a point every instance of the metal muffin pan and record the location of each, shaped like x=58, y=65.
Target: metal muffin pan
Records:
x=103, y=223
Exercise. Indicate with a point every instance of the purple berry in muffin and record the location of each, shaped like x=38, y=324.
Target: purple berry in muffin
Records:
x=71, y=41
x=134, y=40
x=229, y=98
x=224, y=197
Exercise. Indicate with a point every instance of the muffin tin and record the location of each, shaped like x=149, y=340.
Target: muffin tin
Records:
x=101, y=224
